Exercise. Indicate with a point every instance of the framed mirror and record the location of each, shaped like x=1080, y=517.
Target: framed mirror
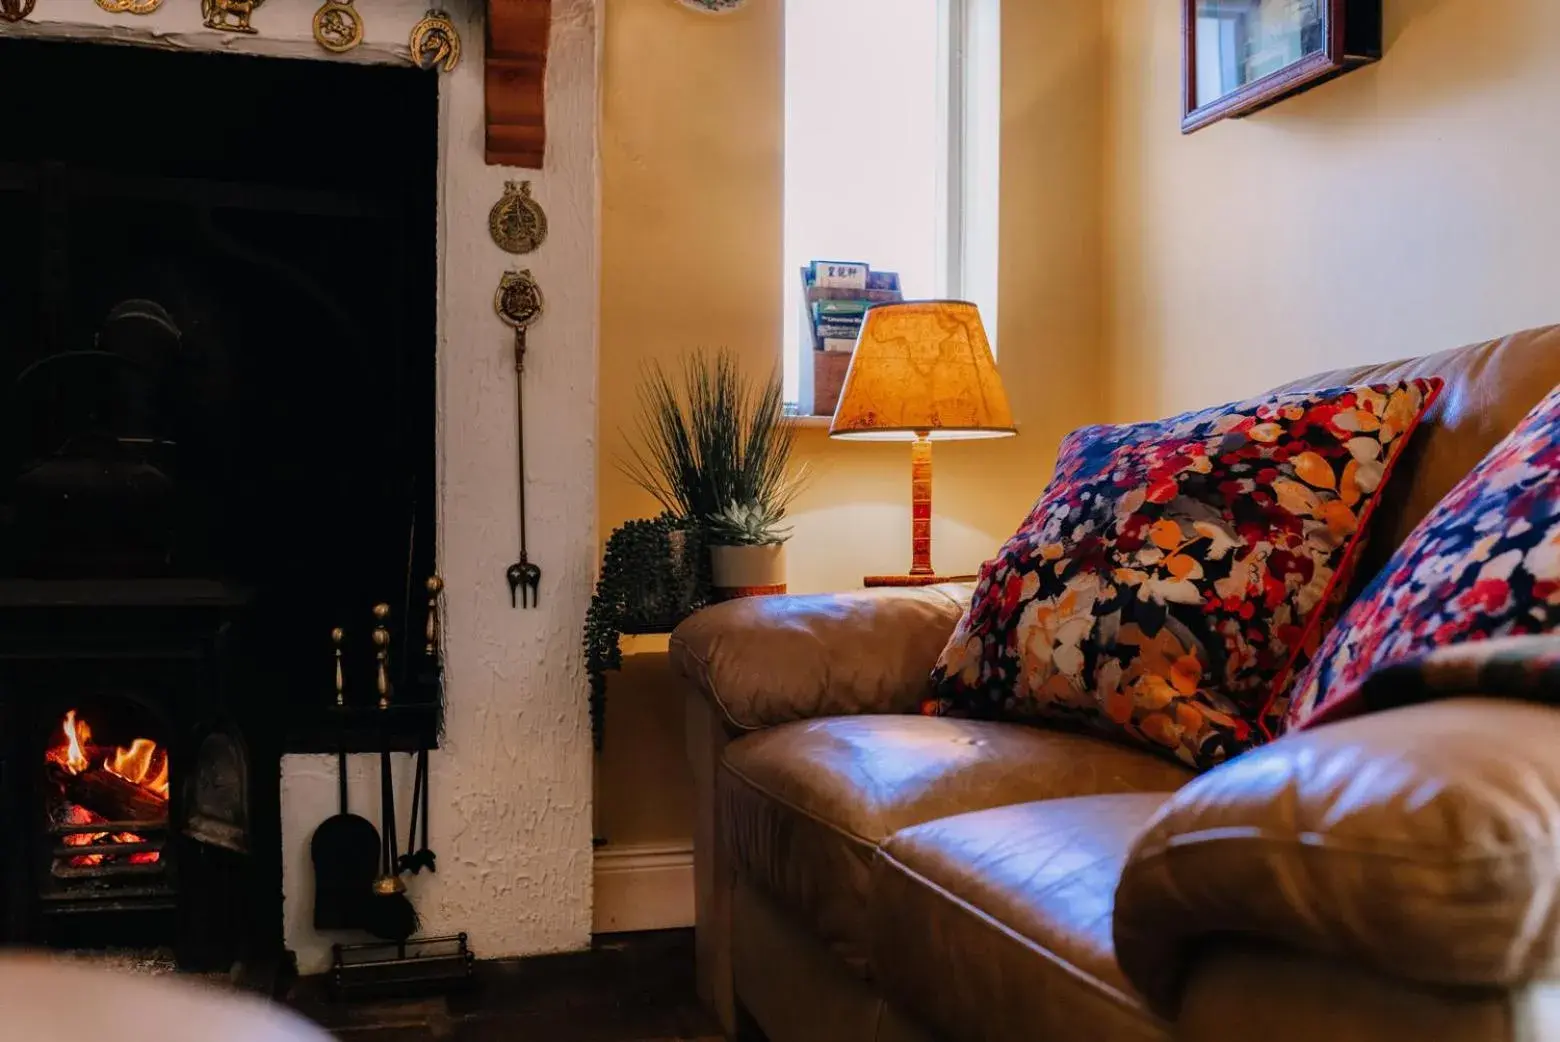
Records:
x=1244, y=55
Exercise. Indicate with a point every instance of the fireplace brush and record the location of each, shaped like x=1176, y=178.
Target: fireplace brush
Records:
x=390, y=915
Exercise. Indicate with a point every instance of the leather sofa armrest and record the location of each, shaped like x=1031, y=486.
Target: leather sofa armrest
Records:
x=763, y=661
x=1419, y=843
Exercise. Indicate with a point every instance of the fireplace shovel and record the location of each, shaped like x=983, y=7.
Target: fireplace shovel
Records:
x=345, y=848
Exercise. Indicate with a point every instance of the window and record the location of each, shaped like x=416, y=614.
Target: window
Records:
x=891, y=137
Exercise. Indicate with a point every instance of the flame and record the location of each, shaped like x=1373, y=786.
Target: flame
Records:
x=158, y=782
x=141, y=764
x=70, y=755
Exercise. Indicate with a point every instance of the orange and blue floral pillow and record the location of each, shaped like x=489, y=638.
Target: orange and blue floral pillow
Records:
x=1174, y=573
x=1485, y=563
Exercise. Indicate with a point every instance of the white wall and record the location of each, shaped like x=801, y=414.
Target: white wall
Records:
x=511, y=787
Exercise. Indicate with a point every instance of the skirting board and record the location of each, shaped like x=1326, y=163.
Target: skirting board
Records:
x=643, y=887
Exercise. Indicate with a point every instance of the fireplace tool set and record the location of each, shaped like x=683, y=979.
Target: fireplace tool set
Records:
x=358, y=868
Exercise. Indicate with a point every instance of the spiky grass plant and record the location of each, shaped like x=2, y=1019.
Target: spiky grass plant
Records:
x=716, y=446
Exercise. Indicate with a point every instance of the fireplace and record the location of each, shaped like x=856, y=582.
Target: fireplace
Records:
x=132, y=804
x=216, y=444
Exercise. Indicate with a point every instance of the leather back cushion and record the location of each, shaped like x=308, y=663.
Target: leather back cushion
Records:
x=1489, y=388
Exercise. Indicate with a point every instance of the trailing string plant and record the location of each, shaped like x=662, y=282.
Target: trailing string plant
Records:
x=655, y=574
x=716, y=451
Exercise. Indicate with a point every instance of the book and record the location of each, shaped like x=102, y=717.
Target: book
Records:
x=840, y=274
x=839, y=309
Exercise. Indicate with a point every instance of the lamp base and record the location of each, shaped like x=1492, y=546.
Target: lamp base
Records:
x=876, y=581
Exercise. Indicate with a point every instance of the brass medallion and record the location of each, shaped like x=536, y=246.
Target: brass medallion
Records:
x=337, y=27
x=435, y=42
x=16, y=10
x=517, y=222
x=229, y=16
x=129, y=6
x=518, y=300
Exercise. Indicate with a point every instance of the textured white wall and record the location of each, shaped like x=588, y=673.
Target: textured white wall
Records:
x=511, y=787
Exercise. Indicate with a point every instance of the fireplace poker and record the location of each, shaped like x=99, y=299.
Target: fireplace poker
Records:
x=417, y=857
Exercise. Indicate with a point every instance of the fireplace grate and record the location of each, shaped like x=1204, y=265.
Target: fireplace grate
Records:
x=106, y=851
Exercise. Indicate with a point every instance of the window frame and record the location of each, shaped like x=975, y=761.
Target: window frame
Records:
x=969, y=63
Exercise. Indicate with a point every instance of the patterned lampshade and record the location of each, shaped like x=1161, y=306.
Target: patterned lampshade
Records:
x=922, y=368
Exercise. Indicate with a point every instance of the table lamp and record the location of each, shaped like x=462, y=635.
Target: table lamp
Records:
x=922, y=372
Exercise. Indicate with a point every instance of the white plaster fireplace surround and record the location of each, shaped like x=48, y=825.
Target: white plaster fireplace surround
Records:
x=511, y=789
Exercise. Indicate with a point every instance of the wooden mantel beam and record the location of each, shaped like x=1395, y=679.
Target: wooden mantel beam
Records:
x=516, y=73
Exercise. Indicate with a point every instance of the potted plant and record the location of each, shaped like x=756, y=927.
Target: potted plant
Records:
x=716, y=452
x=747, y=550
x=654, y=575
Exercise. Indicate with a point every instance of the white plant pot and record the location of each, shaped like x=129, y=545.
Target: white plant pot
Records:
x=747, y=571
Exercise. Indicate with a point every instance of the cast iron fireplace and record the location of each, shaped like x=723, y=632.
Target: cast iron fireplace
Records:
x=129, y=791
x=217, y=326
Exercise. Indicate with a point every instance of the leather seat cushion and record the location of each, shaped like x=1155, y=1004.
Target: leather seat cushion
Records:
x=804, y=806
x=996, y=926
x=1422, y=844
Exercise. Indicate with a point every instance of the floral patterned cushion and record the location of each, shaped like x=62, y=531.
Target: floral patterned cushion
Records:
x=1484, y=563
x=1166, y=583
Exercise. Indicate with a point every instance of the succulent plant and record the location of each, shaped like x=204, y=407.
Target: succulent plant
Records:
x=746, y=524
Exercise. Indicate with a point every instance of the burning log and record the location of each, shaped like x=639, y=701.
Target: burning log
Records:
x=113, y=798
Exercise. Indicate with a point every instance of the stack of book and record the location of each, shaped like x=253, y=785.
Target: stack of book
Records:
x=837, y=323
x=835, y=299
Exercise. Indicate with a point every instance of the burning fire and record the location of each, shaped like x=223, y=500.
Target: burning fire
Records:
x=135, y=765
x=70, y=755
x=142, y=764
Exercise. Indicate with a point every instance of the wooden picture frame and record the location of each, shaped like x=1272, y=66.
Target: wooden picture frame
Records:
x=1350, y=38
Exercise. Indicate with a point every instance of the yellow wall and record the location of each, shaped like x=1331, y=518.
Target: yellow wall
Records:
x=1407, y=207
x=692, y=172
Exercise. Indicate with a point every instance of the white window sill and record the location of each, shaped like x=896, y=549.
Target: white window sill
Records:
x=810, y=422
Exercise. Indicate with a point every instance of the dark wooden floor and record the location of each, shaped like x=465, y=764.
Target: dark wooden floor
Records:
x=630, y=988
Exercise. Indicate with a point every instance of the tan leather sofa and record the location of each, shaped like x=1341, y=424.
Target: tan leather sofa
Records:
x=866, y=874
